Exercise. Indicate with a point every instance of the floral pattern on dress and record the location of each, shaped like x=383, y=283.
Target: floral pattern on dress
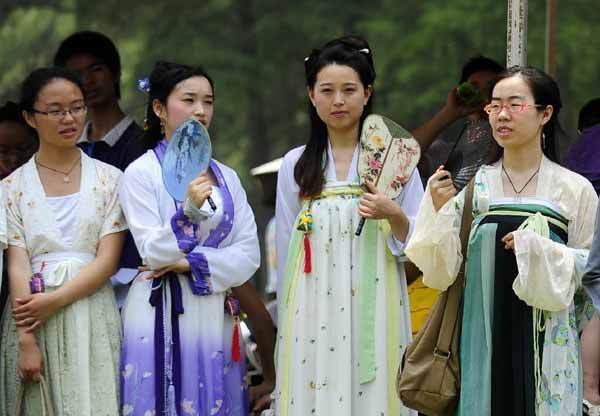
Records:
x=77, y=386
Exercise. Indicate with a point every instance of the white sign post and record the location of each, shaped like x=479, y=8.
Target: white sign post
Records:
x=516, y=33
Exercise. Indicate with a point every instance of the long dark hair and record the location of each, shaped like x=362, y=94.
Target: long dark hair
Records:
x=351, y=51
x=163, y=79
x=545, y=92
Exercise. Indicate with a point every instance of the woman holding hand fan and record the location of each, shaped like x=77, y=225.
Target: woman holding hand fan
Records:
x=530, y=239
x=343, y=305
x=181, y=348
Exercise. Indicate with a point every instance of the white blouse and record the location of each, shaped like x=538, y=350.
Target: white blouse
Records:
x=65, y=211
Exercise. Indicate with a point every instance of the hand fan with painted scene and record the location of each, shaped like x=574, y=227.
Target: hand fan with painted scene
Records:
x=188, y=154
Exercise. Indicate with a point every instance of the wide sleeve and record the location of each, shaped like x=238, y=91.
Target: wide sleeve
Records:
x=3, y=236
x=159, y=244
x=435, y=246
x=591, y=278
x=409, y=200
x=114, y=220
x=3, y=239
x=550, y=272
x=287, y=208
x=232, y=264
x=15, y=228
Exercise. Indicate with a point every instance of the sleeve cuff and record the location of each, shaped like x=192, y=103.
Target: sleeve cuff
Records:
x=396, y=246
x=196, y=215
x=185, y=231
x=200, y=274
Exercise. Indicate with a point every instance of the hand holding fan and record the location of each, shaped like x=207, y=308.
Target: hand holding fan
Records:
x=188, y=154
x=388, y=156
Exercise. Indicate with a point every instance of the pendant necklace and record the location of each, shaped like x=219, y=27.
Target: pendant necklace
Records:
x=66, y=177
x=518, y=193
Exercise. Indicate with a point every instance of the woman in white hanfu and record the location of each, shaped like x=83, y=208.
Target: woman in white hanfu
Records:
x=344, y=317
x=66, y=226
x=530, y=239
x=180, y=351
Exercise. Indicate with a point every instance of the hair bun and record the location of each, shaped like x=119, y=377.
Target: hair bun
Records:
x=352, y=43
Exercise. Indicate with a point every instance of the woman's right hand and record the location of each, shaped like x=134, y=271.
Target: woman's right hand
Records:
x=441, y=187
x=31, y=362
x=199, y=190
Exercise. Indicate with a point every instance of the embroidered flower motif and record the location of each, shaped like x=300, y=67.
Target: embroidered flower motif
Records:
x=378, y=142
x=150, y=413
x=127, y=409
x=188, y=407
x=375, y=163
x=187, y=229
x=127, y=371
x=218, y=405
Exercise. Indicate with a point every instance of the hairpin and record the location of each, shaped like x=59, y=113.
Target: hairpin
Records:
x=365, y=50
x=143, y=85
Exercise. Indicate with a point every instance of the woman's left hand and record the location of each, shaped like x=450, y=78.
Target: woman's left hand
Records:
x=182, y=266
x=33, y=310
x=260, y=397
x=375, y=205
x=509, y=241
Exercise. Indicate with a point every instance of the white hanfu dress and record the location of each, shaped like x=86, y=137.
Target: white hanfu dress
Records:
x=177, y=348
x=80, y=344
x=343, y=326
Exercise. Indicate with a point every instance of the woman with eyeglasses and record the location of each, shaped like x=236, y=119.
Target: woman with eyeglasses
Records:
x=65, y=234
x=530, y=238
x=343, y=303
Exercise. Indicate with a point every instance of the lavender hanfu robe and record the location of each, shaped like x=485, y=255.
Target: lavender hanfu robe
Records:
x=176, y=357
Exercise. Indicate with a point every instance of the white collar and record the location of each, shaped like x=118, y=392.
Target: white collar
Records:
x=110, y=138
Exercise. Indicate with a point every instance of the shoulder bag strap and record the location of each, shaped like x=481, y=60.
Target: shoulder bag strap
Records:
x=455, y=291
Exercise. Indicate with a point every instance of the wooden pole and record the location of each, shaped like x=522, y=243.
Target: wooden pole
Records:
x=550, y=61
x=516, y=33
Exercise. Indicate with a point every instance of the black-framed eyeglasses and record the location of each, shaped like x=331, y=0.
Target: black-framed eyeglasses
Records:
x=75, y=111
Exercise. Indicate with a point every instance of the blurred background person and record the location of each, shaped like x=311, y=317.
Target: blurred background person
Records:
x=584, y=158
x=18, y=141
x=453, y=127
x=110, y=135
x=584, y=154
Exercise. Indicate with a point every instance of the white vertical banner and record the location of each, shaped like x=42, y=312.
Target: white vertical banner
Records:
x=516, y=33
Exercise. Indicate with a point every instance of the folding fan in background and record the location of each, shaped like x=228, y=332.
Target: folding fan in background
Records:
x=188, y=154
x=388, y=156
x=472, y=149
